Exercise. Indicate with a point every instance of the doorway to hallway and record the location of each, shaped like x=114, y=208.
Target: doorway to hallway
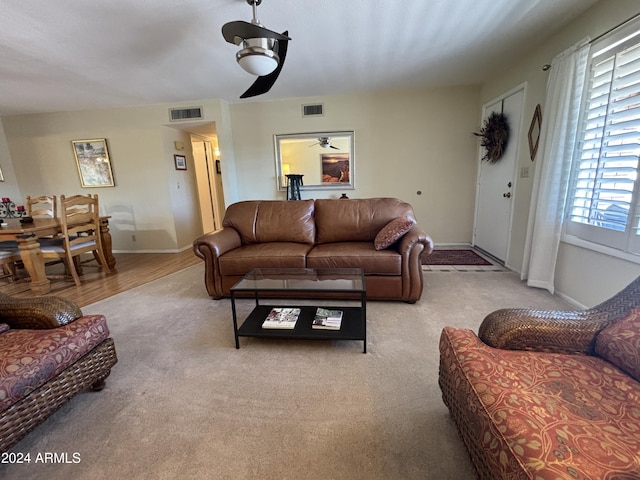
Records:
x=209, y=182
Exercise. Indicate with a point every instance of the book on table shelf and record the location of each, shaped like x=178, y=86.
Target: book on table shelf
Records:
x=281, y=317
x=327, y=319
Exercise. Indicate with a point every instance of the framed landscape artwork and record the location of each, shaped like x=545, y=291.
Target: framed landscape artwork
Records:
x=335, y=168
x=94, y=165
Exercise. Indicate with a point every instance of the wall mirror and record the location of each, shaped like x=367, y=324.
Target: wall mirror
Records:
x=325, y=159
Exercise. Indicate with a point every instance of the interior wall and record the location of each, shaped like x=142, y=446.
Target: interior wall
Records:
x=583, y=276
x=152, y=204
x=182, y=188
x=229, y=168
x=8, y=188
x=417, y=145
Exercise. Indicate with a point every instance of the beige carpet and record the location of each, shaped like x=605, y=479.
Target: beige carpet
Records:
x=183, y=403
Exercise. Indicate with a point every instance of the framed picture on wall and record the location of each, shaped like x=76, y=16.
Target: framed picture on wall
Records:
x=335, y=168
x=534, y=132
x=94, y=165
x=181, y=162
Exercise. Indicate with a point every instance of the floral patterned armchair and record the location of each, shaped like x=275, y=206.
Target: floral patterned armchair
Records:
x=549, y=394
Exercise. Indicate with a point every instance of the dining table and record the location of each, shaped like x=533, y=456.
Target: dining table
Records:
x=27, y=236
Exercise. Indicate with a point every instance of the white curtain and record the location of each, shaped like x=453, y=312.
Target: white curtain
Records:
x=555, y=154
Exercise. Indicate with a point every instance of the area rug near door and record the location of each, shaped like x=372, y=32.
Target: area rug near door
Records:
x=183, y=403
x=454, y=257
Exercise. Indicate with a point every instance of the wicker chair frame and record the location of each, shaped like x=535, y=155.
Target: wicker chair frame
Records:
x=572, y=331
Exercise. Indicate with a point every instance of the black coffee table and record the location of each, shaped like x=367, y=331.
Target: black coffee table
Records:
x=326, y=283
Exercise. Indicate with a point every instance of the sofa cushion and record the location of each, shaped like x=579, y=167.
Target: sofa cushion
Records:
x=32, y=357
x=241, y=216
x=392, y=232
x=619, y=343
x=543, y=415
x=240, y=261
x=357, y=220
x=355, y=255
x=272, y=221
x=286, y=222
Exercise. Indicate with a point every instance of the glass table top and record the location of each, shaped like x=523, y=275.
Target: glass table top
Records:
x=302, y=280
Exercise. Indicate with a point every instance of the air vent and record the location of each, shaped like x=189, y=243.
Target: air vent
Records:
x=181, y=114
x=316, y=110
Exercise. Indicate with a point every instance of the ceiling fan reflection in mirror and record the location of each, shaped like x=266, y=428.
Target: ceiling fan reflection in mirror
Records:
x=263, y=51
x=324, y=142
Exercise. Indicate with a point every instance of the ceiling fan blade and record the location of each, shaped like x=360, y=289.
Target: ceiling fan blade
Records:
x=334, y=147
x=235, y=32
x=263, y=84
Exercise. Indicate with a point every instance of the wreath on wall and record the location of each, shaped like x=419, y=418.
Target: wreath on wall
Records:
x=494, y=134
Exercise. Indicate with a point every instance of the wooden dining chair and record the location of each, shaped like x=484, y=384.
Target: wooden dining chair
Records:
x=9, y=255
x=44, y=206
x=80, y=226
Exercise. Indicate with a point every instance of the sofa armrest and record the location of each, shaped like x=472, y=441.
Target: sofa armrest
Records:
x=542, y=330
x=210, y=247
x=411, y=247
x=37, y=312
x=414, y=237
x=217, y=243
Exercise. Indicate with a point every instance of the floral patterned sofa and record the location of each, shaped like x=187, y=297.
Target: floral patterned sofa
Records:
x=549, y=394
x=49, y=352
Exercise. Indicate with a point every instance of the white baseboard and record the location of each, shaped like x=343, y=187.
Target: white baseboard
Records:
x=452, y=245
x=570, y=300
x=169, y=250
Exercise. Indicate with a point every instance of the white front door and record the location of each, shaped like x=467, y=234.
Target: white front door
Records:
x=496, y=182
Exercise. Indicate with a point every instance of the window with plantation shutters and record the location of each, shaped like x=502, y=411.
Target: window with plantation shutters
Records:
x=603, y=200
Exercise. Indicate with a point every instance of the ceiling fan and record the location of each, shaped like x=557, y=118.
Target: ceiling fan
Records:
x=324, y=142
x=263, y=51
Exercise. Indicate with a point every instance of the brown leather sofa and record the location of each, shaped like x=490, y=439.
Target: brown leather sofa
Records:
x=327, y=233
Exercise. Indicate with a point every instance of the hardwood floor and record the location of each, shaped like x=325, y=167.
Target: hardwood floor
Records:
x=132, y=270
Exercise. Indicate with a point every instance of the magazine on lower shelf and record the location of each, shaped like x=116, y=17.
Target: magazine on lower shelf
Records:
x=327, y=319
x=281, y=317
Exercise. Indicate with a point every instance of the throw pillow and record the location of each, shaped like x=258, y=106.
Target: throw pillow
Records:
x=392, y=232
x=619, y=343
x=3, y=327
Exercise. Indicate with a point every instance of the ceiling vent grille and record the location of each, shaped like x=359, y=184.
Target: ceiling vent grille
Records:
x=188, y=113
x=316, y=110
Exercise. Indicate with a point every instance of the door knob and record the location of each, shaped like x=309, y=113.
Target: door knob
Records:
x=507, y=195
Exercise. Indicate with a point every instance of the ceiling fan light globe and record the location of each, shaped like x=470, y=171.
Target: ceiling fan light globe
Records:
x=258, y=57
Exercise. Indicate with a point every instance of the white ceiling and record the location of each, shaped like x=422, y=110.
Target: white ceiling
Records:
x=79, y=54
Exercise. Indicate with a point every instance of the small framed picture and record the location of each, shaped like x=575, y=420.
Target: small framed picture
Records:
x=181, y=162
